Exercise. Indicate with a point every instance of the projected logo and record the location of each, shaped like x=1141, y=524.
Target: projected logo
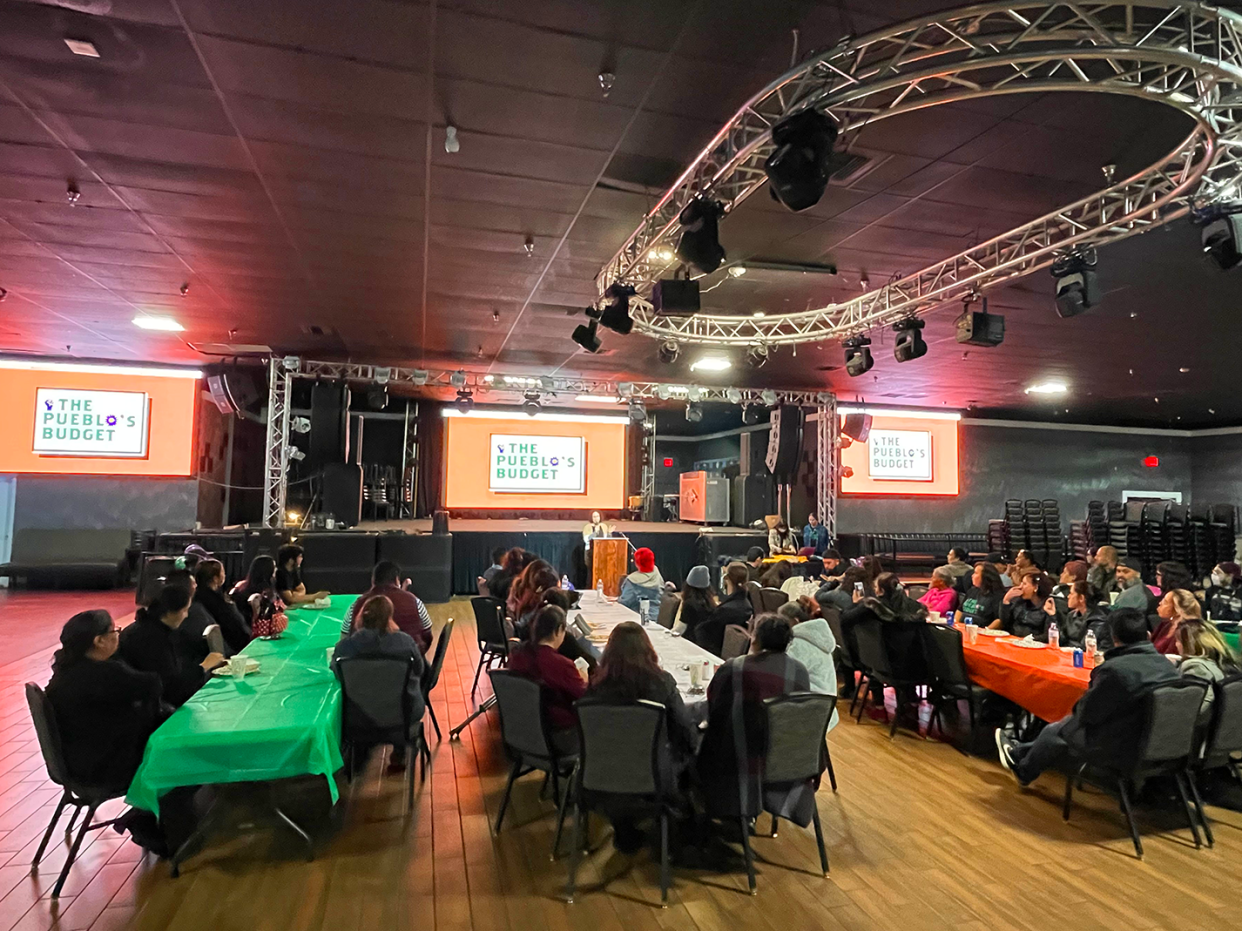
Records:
x=904, y=455
x=533, y=464
x=90, y=424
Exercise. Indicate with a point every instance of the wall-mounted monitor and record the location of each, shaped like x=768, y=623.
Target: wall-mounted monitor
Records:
x=907, y=453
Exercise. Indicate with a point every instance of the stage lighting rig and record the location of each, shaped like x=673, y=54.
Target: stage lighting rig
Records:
x=798, y=169
x=700, y=240
x=616, y=314
x=465, y=399
x=669, y=351
x=858, y=359
x=757, y=356
x=530, y=403
x=1221, y=234
x=694, y=412
x=978, y=327
x=1078, y=289
x=586, y=335
x=637, y=411
x=909, y=343
x=377, y=397
x=750, y=414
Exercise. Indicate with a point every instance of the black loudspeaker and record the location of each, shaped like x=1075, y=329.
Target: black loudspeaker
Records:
x=439, y=522
x=329, y=435
x=784, y=441
x=342, y=492
x=233, y=390
x=752, y=499
x=857, y=427
x=753, y=452
x=675, y=296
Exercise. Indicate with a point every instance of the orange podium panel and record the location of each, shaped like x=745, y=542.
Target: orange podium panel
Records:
x=610, y=562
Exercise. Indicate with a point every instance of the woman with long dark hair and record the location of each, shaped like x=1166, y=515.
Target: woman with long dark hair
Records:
x=982, y=604
x=155, y=643
x=526, y=594
x=220, y=609
x=511, y=566
x=697, y=601
x=1022, y=608
x=257, y=599
x=104, y=710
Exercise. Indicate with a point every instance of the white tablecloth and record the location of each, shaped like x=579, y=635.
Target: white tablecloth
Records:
x=675, y=653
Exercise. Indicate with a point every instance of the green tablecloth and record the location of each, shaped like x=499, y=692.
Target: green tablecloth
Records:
x=1235, y=642
x=283, y=721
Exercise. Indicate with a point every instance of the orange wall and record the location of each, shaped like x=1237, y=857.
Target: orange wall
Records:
x=170, y=447
x=466, y=463
x=944, y=460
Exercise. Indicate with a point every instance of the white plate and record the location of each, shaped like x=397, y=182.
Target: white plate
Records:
x=1026, y=644
x=985, y=632
x=252, y=666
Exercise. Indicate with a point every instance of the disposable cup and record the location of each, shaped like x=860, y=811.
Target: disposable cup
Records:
x=237, y=666
x=331, y=651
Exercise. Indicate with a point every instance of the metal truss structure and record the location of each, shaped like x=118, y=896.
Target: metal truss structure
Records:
x=827, y=465
x=1184, y=54
x=280, y=374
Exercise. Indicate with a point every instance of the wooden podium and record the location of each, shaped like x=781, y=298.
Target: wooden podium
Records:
x=610, y=562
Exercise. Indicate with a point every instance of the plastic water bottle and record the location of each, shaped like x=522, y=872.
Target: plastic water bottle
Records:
x=565, y=582
x=1090, y=645
x=1054, y=635
x=599, y=591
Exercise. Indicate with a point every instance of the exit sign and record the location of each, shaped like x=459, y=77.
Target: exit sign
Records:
x=1151, y=461
x=668, y=462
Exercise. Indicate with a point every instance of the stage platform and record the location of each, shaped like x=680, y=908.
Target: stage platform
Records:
x=677, y=546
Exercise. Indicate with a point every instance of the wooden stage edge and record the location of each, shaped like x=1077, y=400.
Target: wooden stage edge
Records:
x=423, y=525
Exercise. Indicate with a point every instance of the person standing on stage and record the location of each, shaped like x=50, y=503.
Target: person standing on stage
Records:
x=596, y=528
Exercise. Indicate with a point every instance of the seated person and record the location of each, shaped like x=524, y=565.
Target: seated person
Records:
x=485, y=580
x=378, y=635
x=941, y=596
x=1206, y=656
x=511, y=567
x=1223, y=598
x=777, y=574
x=957, y=565
x=814, y=646
x=1022, y=608
x=408, y=611
x=697, y=602
x=781, y=540
x=804, y=579
x=155, y=643
x=734, y=608
x=841, y=595
x=815, y=535
x=1171, y=575
x=289, y=584
x=526, y=594
x=982, y=604
x=1002, y=567
x=1109, y=718
x=1127, y=581
x=1103, y=573
x=645, y=582
x=540, y=659
x=1024, y=561
x=754, y=563
x=104, y=710
x=257, y=600
x=1073, y=571
x=1176, y=608
x=832, y=567
x=736, y=738
x=1079, y=613
x=209, y=598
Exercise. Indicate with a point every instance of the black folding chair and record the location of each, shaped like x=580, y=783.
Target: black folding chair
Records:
x=1223, y=741
x=736, y=642
x=376, y=708
x=432, y=679
x=668, y=609
x=950, y=681
x=881, y=667
x=624, y=762
x=489, y=618
x=527, y=739
x=770, y=600
x=1165, y=746
x=77, y=794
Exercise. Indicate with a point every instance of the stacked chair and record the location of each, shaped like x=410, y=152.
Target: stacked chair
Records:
x=1032, y=525
x=1199, y=537
x=998, y=537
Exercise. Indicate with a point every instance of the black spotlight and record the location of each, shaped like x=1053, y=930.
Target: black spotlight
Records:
x=1078, y=289
x=799, y=168
x=980, y=328
x=377, y=397
x=465, y=399
x=909, y=344
x=694, y=413
x=858, y=359
x=616, y=316
x=750, y=414
x=669, y=351
x=638, y=413
x=700, y=242
x=757, y=356
x=586, y=335
x=530, y=403
x=1221, y=239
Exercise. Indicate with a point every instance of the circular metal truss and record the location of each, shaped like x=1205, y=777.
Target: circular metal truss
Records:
x=1182, y=54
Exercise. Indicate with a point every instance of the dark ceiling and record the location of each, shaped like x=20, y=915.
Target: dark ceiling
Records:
x=273, y=155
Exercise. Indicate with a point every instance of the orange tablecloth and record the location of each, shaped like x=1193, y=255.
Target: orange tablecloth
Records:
x=1044, y=682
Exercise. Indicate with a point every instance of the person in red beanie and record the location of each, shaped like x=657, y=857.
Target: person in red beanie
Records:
x=644, y=583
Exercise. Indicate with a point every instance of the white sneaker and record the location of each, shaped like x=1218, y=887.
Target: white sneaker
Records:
x=1003, y=744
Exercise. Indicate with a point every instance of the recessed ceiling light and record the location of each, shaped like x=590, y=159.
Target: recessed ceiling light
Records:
x=82, y=47
x=737, y=271
x=711, y=364
x=148, y=322
x=1048, y=387
x=1183, y=370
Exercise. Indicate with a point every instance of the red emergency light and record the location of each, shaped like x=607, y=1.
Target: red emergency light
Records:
x=1151, y=461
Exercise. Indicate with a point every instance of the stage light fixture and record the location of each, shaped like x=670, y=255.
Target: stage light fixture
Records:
x=1077, y=288
x=750, y=414
x=694, y=413
x=978, y=327
x=909, y=343
x=616, y=315
x=638, y=412
x=733, y=395
x=711, y=364
x=530, y=403
x=465, y=399
x=858, y=359
x=669, y=351
x=737, y=271
x=458, y=379
x=300, y=424
x=295, y=454
x=768, y=396
x=757, y=356
x=383, y=375
x=625, y=389
x=377, y=397
x=700, y=243
x=664, y=392
x=419, y=377
x=586, y=335
x=1222, y=238
x=798, y=169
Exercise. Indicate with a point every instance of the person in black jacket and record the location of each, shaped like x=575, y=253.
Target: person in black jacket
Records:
x=1078, y=613
x=891, y=605
x=734, y=608
x=209, y=598
x=697, y=602
x=104, y=710
x=1022, y=608
x=1108, y=719
x=155, y=643
x=1223, y=599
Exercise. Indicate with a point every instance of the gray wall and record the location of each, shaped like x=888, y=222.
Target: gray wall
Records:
x=1216, y=469
x=105, y=502
x=1074, y=467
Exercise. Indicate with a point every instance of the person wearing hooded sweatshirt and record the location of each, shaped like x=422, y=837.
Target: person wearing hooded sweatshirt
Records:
x=889, y=604
x=813, y=645
x=644, y=583
x=1224, y=596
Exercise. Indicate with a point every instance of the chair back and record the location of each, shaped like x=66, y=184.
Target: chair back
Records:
x=668, y=609
x=437, y=660
x=523, y=720
x=754, y=596
x=833, y=617
x=1225, y=735
x=214, y=638
x=946, y=661
x=797, y=731
x=375, y=705
x=736, y=642
x=48, y=733
x=872, y=651
x=770, y=599
x=622, y=744
x=1172, y=712
x=489, y=617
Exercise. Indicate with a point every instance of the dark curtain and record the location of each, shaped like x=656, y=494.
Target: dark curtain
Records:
x=430, y=491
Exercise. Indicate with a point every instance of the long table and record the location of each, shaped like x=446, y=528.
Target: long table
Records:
x=280, y=722
x=1043, y=681
x=675, y=653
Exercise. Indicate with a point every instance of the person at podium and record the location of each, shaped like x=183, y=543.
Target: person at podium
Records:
x=596, y=528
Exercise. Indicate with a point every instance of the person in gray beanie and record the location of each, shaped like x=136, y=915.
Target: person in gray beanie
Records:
x=697, y=600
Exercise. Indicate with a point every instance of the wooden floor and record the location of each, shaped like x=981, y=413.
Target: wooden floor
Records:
x=920, y=837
